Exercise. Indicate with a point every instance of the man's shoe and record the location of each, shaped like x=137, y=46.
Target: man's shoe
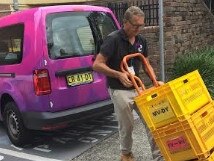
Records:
x=127, y=157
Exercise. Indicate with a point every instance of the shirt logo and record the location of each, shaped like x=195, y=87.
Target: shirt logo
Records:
x=140, y=48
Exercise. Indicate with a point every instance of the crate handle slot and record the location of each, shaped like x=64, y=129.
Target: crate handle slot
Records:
x=154, y=95
x=170, y=131
x=185, y=80
x=204, y=114
x=138, y=84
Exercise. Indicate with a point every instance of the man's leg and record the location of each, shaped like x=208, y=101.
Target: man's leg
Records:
x=123, y=105
x=156, y=154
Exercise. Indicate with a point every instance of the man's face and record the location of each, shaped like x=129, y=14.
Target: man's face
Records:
x=133, y=26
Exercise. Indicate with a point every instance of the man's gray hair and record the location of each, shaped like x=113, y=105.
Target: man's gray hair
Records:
x=131, y=11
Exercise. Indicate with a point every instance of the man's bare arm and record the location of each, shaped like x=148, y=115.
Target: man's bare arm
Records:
x=101, y=66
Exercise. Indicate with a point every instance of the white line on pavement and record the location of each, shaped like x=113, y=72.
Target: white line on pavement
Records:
x=17, y=148
x=25, y=156
x=42, y=149
x=1, y=157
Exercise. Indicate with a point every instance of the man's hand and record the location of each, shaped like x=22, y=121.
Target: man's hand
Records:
x=124, y=79
x=160, y=83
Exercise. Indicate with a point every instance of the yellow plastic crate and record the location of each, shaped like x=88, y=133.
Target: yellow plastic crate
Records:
x=172, y=101
x=203, y=121
x=188, y=139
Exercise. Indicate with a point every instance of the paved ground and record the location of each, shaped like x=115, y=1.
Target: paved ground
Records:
x=108, y=149
x=61, y=144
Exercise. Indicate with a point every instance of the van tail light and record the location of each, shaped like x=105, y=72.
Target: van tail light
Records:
x=41, y=81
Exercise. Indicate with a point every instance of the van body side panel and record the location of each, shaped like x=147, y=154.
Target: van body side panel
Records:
x=34, y=59
x=20, y=87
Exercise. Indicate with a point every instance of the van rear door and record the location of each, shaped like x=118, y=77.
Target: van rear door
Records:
x=72, y=38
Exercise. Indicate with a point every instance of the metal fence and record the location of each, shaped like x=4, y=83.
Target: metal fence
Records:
x=210, y=5
x=150, y=8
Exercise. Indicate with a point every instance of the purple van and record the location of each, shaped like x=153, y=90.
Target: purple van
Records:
x=46, y=76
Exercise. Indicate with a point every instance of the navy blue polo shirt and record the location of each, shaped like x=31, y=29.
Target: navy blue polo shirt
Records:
x=115, y=47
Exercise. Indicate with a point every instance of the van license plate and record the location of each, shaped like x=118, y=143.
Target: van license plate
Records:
x=79, y=78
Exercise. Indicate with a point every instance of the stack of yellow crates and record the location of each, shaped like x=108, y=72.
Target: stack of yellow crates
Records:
x=180, y=115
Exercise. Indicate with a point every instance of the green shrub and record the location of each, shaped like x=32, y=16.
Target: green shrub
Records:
x=202, y=60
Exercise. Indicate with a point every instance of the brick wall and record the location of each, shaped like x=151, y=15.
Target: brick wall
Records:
x=151, y=34
x=188, y=26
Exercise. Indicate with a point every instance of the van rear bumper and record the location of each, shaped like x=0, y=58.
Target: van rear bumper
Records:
x=51, y=121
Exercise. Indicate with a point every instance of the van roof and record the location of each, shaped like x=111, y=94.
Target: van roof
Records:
x=58, y=8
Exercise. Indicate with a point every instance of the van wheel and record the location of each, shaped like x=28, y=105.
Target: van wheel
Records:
x=16, y=131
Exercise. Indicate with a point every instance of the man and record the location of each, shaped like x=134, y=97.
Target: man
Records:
x=117, y=45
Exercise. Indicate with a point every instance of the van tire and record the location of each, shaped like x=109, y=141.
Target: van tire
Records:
x=13, y=122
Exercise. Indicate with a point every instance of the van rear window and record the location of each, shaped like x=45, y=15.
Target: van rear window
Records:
x=72, y=34
x=11, y=44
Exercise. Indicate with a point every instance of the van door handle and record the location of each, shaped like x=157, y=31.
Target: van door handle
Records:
x=94, y=57
x=73, y=71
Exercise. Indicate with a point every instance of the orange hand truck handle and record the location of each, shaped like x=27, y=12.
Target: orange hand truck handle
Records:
x=135, y=79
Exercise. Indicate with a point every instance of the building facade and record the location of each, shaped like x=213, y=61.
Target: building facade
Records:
x=186, y=24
